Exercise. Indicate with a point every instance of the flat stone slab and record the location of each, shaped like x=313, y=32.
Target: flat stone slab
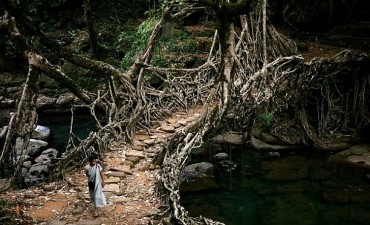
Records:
x=120, y=200
x=128, y=163
x=172, y=120
x=149, y=142
x=112, y=179
x=358, y=154
x=183, y=122
x=168, y=128
x=117, y=174
x=133, y=159
x=135, y=153
x=138, y=147
x=87, y=222
x=229, y=138
x=123, y=168
x=141, y=137
x=359, y=159
x=111, y=188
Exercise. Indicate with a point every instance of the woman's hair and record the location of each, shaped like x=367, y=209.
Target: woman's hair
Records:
x=92, y=158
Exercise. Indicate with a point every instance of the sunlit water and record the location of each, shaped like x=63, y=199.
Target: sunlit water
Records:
x=290, y=189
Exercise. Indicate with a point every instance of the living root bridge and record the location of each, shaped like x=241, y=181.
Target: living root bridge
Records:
x=342, y=83
x=326, y=98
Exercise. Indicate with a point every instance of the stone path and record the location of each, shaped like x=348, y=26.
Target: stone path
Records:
x=130, y=183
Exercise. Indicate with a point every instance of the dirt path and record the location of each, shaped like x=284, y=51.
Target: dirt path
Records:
x=130, y=183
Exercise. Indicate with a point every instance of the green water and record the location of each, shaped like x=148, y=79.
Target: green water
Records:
x=60, y=125
x=292, y=189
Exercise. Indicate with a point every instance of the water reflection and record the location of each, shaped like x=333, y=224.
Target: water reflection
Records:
x=289, y=188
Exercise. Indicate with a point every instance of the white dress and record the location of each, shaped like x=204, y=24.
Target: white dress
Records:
x=95, y=185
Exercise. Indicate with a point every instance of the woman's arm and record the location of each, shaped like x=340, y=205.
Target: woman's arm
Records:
x=102, y=177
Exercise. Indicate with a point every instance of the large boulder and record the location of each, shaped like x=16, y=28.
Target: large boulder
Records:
x=43, y=160
x=45, y=102
x=198, y=177
x=36, y=174
x=357, y=155
x=261, y=145
x=229, y=138
x=65, y=99
x=34, y=146
x=41, y=133
x=51, y=152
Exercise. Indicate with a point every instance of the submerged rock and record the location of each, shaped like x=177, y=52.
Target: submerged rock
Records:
x=261, y=145
x=229, y=138
x=358, y=155
x=198, y=177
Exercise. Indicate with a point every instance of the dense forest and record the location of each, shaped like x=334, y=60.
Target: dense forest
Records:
x=297, y=70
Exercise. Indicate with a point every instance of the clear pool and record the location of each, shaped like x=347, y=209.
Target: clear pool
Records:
x=295, y=188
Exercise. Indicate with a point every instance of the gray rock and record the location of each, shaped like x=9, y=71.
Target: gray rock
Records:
x=229, y=138
x=261, y=145
x=198, y=177
x=44, y=102
x=65, y=99
x=135, y=153
x=51, y=152
x=78, y=210
x=43, y=160
x=48, y=187
x=117, y=174
x=202, y=169
x=41, y=133
x=36, y=174
x=24, y=172
x=111, y=188
x=123, y=168
x=221, y=156
x=168, y=129
x=27, y=164
x=33, y=147
x=112, y=179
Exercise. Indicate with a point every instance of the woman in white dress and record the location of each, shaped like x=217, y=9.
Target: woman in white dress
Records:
x=94, y=173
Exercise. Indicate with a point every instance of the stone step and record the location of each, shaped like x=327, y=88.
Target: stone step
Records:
x=117, y=174
x=168, y=128
x=123, y=168
x=112, y=179
x=135, y=153
x=111, y=188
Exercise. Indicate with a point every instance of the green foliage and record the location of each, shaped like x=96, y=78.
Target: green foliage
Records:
x=134, y=41
x=182, y=43
x=266, y=118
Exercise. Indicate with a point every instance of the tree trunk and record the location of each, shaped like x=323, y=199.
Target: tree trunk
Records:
x=90, y=26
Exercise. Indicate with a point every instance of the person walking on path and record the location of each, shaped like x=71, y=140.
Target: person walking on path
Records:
x=94, y=173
